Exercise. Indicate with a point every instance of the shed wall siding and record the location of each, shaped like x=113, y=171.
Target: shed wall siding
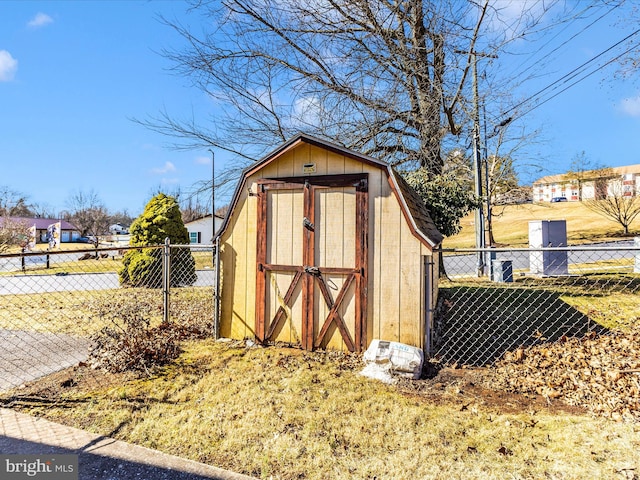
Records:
x=238, y=260
x=396, y=309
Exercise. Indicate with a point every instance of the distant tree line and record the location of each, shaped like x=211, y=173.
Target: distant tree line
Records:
x=85, y=210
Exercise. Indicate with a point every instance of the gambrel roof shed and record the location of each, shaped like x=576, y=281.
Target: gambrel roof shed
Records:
x=326, y=248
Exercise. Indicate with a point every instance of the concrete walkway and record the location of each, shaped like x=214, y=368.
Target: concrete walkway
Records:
x=99, y=458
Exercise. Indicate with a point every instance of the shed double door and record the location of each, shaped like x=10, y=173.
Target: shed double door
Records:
x=312, y=237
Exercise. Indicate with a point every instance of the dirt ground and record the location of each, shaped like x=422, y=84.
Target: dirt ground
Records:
x=465, y=388
x=461, y=388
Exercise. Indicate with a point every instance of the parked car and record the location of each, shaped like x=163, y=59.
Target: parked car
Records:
x=558, y=199
x=88, y=239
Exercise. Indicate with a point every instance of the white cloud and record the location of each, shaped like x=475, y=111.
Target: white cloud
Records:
x=307, y=110
x=630, y=106
x=40, y=20
x=202, y=160
x=513, y=17
x=8, y=66
x=168, y=167
x=169, y=181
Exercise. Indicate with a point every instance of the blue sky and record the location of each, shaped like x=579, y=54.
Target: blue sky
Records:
x=74, y=74
x=599, y=115
x=81, y=71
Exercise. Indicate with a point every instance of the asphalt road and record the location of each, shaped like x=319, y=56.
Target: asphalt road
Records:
x=465, y=263
x=21, y=284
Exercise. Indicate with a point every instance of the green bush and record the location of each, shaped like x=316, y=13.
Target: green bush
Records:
x=142, y=267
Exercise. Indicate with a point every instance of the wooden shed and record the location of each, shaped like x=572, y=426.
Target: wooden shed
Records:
x=326, y=248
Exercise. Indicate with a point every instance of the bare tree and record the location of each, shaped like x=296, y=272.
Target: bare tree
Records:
x=222, y=211
x=13, y=233
x=14, y=203
x=582, y=170
x=192, y=210
x=87, y=212
x=123, y=217
x=387, y=78
x=617, y=205
x=44, y=210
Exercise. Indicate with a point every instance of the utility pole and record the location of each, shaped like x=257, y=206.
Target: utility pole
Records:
x=487, y=181
x=477, y=170
x=487, y=187
x=477, y=166
x=216, y=253
x=213, y=194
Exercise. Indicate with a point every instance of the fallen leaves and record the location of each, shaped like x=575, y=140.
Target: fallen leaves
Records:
x=601, y=373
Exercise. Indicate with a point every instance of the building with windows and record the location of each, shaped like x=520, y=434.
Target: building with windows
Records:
x=41, y=228
x=118, y=229
x=588, y=185
x=201, y=229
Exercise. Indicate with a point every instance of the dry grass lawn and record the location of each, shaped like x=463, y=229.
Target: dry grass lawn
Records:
x=84, y=313
x=283, y=413
x=511, y=224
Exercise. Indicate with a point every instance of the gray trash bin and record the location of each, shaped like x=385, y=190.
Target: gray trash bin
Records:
x=502, y=271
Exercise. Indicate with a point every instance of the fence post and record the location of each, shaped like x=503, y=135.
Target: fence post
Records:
x=166, y=279
x=216, y=290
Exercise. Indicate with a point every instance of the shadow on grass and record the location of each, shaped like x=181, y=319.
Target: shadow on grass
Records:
x=477, y=325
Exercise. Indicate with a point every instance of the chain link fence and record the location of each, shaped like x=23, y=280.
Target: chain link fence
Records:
x=54, y=304
x=493, y=301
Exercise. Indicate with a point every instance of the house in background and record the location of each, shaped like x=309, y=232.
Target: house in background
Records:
x=590, y=185
x=201, y=230
x=68, y=232
x=118, y=229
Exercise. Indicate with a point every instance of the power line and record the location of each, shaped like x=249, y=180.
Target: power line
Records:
x=547, y=55
x=574, y=83
x=572, y=74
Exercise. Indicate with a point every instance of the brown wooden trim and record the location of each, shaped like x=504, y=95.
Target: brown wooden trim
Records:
x=261, y=273
x=362, y=256
x=344, y=180
x=309, y=340
x=308, y=254
x=338, y=270
x=276, y=185
x=272, y=267
x=334, y=315
x=325, y=292
x=277, y=319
